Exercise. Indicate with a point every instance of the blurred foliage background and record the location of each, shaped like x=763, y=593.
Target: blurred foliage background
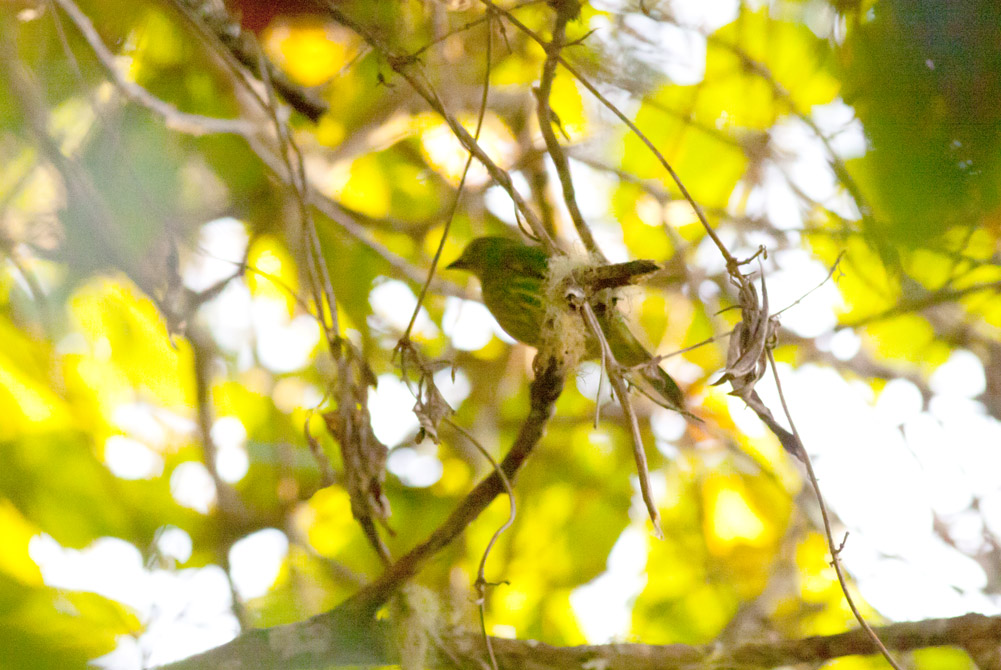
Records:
x=160, y=360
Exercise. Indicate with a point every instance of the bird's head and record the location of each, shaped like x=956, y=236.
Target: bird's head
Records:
x=482, y=254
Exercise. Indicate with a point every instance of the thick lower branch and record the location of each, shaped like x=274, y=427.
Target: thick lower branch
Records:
x=336, y=639
x=545, y=389
x=350, y=634
x=968, y=631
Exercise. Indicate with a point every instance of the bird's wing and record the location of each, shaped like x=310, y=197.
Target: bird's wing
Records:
x=525, y=261
x=628, y=351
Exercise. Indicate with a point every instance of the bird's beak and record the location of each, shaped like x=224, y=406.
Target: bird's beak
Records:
x=457, y=264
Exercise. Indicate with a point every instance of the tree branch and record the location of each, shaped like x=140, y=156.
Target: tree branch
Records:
x=401, y=65
x=336, y=638
x=546, y=119
x=175, y=119
x=545, y=389
x=730, y=260
x=917, y=304
x=349, y=634
x=214, y=18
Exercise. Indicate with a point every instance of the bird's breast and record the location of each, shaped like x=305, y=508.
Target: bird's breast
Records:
x=517, y=304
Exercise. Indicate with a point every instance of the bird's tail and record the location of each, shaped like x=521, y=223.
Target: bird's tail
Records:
x=630, y=352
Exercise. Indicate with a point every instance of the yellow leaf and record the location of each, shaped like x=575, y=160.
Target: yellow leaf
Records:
x=653, y=310
x=709, y=161
x=817, y=577
x=942, y=658
x=701, y=328
x=15, y=533
x=568, y=105
x=27, y=401
x=647, y=242
x=559, y=614
x=328, y=515
x=730, y=520
x=366, y=189
x=907, y=337
x=34, y=403
x=276, y=276
x=309, y=52
x=930, y=268
x=129, y=346
x=455, y=478
x=517, y=69
x=445, y=154
x=329, y=131
x=159, y=44
x=756, y=51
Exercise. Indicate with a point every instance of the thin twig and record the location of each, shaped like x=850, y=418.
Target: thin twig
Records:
x=544, y=390
x=333, y=211
x=191, y=124
x=365, y=451
x=556, y=153
x=622, y=394
x=597, y=394
x=830, y=273
x=405, y=340
x=230, y=504
x=466, y=26
x=749, y=355
x=65, y=44
x=81, y=192
x=708, y=340
x=835, y=549
x=632, y=126
x=327, y=477
x=34, y=287
x=837, y=164
x=401, y=65
x=752, y=65
x=323, y=292
x=278, y=166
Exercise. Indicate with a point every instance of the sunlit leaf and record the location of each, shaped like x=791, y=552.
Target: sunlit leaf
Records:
x=15, y=533
x=130, y=349
x=762, y=60
x=310, y=52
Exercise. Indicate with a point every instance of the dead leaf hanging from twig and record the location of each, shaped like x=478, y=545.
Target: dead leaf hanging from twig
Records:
x=431, y=409
x=747, y=356
x=364, y=455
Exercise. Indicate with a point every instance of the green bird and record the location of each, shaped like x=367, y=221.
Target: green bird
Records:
x=513, y=278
